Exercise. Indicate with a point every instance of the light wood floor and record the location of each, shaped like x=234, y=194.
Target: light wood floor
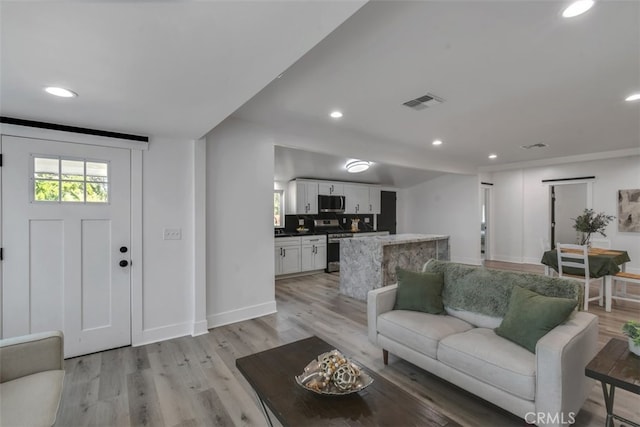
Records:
x=192, y=381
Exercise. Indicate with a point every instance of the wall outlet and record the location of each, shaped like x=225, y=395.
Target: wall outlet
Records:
x=301, y=222
x=366, y=220
x=172, y=234
x=344, y=220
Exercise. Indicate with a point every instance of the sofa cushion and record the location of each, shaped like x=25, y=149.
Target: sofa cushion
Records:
x=476, y=319
x=419, y=291
x=531, y=316
x=488, y=291
x=31, y=400
x=419, y=331
x=483, y=355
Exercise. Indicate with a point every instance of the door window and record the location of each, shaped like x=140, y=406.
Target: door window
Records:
x=67, y=180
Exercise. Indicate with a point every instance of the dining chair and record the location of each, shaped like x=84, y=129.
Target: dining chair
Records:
x=577, y=257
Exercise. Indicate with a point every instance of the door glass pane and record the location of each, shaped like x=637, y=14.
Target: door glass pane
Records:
x=97, y=172
x=46, y=191
x=97, y=192
x=45, y=166
x=73, y=170
x=72, y=191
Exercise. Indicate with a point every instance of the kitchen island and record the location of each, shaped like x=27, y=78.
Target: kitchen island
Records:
x=369, y=262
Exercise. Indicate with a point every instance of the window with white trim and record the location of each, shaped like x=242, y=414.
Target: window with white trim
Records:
x=69, y=180
x=278, y=208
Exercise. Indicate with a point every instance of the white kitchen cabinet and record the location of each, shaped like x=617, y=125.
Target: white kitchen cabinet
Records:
x=287, y=255
x=302, y=197
x=356, y=198
x=374, y=199
x=313, y=253
x=330, y=188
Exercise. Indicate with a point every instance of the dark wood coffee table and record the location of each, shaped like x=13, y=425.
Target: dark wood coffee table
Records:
x=271, y=374
x=615, y=366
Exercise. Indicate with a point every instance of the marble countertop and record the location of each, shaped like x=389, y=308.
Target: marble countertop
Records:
x=396, y=239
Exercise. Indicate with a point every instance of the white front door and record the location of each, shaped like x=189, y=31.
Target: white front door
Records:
x=66, y=241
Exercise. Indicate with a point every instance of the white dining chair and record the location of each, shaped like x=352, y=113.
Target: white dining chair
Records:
x=577, y=257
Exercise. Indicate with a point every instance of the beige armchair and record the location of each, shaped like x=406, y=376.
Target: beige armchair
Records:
x=31, y=379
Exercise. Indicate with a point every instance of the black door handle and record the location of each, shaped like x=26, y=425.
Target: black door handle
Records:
x=124, y=263
x=123, y=249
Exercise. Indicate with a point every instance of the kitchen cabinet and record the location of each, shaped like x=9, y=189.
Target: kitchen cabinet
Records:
x=313, y=253
x=362, y=199
x=302, y=197
x=287, y=255
x=330, y=188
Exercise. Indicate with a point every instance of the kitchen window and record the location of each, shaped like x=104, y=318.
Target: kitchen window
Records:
x=278, y=208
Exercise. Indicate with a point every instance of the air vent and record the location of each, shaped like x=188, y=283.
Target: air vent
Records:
x=424, y=101
x=538, y=145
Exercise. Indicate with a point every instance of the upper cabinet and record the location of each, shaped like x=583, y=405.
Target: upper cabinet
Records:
x=329, y=188
x=362, y=199
x=302, y=197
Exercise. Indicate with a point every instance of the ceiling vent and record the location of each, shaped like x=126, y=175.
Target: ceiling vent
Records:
x=425, y=101
x=538, y=145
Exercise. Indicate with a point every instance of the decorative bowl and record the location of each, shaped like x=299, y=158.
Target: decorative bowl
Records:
x=330, y=380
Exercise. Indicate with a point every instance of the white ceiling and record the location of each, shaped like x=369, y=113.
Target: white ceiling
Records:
x=168, y=68
x=511, y=72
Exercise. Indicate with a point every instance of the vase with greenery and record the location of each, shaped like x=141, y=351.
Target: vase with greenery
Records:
x=590, y=222
x=632, y=330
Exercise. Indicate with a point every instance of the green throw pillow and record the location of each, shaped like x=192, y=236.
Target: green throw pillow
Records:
x=531, y=315
x=419, y=291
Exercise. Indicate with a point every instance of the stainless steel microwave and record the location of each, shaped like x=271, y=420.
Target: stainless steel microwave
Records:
x=331, y=204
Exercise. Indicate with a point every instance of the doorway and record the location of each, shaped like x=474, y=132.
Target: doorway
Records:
x=485, y=212
x=386, y=221
x=66, y=232
x=567, y=201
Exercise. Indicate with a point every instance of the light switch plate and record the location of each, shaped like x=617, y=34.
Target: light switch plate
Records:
x=301, y=222
x=172, y=234
x=366, y=220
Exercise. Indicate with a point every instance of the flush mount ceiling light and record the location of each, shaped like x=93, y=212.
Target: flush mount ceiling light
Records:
x=493, y=156
x=355, y=166
x=633, y=97
x=336, y=114
x=437, y=142
x=60, y=91
x=577, y=8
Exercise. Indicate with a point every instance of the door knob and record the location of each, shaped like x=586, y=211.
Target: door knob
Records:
x=124, y=263
x=123, y=249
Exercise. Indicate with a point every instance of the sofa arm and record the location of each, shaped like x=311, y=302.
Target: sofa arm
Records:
x=29, y=354
x=561, y=357
x=379, y=301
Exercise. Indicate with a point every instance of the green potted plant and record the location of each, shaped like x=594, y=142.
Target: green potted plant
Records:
x=632, y=330
x=590, y=222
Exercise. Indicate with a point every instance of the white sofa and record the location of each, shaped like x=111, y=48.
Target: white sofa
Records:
x=31, y=379
x=462, y=348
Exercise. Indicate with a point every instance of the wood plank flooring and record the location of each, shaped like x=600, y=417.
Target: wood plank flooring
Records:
x=192, y=381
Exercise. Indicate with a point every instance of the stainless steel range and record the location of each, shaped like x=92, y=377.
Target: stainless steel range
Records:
x=334, y=234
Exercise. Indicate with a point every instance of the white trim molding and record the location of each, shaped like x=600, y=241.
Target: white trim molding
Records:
x=245, y=313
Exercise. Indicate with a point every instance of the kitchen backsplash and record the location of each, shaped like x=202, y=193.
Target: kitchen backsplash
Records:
x=291, y=221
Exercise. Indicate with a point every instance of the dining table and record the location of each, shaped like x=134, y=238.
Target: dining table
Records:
x=602, y=263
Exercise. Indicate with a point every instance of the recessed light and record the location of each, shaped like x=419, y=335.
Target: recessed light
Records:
x=577, y=8
x=336, y=114
x=493, y=156
x=355, y=166
x=60, y=91
x=437, y=142
x=633, y=97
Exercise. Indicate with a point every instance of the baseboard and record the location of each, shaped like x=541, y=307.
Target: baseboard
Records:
x=200, y=328
x=241, y=314
x=532, y=261
x=162, y=333
x=466, y=260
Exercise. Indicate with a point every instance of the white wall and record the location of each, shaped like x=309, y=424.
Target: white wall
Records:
x=167, y=264
x=521, y=205
x=449, y=204
x=240, y=263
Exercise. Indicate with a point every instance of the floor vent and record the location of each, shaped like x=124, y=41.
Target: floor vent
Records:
x=423, y=102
